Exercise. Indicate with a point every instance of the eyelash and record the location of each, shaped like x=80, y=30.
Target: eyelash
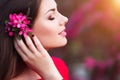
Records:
x=51, y=18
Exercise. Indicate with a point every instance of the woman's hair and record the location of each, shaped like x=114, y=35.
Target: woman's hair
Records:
x=11, y=63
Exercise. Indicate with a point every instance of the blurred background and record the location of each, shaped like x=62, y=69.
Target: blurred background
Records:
x=93, y=49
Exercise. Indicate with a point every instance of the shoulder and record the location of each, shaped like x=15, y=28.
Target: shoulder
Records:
x=62, y=67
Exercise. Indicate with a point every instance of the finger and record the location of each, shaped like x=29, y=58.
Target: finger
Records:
x=23, y=47
x=38, y=44
x=30, y=44
x=20, y=52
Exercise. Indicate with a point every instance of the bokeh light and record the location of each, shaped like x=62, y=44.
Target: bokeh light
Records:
x=117, y=2
x=116, y=5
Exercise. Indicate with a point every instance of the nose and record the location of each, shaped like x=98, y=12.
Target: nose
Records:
x=63, y=20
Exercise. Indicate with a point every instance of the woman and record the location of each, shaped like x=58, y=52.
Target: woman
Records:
x=24, y=56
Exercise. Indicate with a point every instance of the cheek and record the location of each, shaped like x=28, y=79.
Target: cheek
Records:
x=43, y=29
x=45, y=34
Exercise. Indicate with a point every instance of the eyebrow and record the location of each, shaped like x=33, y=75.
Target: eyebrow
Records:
x=53, y=9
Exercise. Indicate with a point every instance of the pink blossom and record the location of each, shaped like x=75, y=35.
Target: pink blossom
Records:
x=11, y=33
x=18, y=20
x=18, y=24
x=24, y=31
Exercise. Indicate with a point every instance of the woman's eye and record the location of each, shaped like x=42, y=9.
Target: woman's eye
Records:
x=51, y=18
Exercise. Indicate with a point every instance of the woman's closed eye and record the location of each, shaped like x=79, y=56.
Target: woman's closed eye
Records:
x=51, y=17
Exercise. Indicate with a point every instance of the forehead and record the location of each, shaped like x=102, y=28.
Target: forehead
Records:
x=46, y=5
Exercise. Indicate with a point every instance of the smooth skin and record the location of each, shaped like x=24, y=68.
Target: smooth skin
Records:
x=49, y=32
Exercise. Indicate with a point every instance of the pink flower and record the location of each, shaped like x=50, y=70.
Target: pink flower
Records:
x=18, y=24
x=24, y=31
x=18, y=20
x=11, y=33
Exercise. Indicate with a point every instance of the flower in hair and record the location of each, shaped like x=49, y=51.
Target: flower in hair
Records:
x=18, y=25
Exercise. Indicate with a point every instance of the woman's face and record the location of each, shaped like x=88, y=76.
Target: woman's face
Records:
x=49, y=25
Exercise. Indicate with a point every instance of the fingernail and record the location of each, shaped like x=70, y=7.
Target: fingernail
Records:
x=32, y=35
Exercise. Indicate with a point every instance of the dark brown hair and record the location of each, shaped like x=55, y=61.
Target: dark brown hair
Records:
x=10, y=62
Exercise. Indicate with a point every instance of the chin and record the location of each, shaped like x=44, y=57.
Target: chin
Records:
x=58, y=44
x=63, y=43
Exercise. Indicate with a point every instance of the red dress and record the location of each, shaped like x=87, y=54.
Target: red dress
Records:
x=61, y=66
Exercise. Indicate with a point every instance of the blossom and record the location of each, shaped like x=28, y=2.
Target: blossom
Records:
x=24, y=31
x=18, y=24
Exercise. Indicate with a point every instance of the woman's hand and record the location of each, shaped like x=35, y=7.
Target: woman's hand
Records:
x=37, y=58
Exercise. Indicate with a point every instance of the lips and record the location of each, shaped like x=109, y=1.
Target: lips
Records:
x=63, y=33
